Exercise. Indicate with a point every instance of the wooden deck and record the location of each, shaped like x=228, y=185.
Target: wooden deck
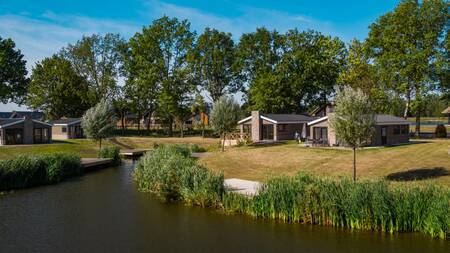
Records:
x=133, y=152
x=95, y=163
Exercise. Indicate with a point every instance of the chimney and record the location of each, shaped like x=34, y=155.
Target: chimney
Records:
x=256, y=126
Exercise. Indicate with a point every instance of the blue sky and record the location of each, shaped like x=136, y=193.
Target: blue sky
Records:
x=41, y=28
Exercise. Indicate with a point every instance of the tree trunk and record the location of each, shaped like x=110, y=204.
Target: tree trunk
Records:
x=100, y=144
x=170, y=127
x=354, y=164
x=122, y=121
x=417, y=130
x=223, y=142
x=181, y=129
x=149, y=117
x=203, y=129
x=408, y=104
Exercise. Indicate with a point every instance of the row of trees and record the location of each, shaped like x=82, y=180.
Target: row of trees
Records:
x=167, y=69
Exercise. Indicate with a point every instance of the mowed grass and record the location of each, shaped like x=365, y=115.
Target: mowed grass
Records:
x=89, y=148
x=428, y=160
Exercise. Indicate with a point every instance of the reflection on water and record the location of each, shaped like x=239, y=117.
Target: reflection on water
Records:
x=103, y=212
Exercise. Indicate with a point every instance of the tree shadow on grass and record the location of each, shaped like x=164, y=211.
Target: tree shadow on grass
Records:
x=418, y=174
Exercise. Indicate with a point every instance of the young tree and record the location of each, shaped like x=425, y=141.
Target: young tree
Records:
x=224, y=117
x=405, y=43
x=199, y=108
x=99, y=121
x=57, y=90
x=98, y=59
x=213, y=59
x=13, y=72
x=353, y=120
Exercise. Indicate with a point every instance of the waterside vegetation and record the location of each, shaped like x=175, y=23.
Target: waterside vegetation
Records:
x=170, y=173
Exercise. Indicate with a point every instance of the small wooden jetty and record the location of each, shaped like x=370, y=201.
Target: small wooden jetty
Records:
x=133, y=152
x=240, y=186
x=95, y=163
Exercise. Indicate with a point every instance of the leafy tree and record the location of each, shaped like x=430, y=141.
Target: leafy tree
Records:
x=224, y=117
x=99, y=121
x=98, y=59
x=13, y=72
x=57, y=90
x=199, y=108
x=213, y=60
x=405, y=43
x=167, y=43
x=299, y=70
x=353, y=120
x=121, y=107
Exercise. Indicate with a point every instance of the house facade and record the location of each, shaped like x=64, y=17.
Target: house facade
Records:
x=69, y=128
x=274, y=127
x=447, y=112
x=15, y=131
x=389, y=130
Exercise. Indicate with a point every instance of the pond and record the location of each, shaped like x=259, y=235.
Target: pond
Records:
x=103, y=212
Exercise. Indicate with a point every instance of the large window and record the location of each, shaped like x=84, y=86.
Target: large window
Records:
x=40, y=135
x=14, y=136
x=64, y=129
x=321, y=133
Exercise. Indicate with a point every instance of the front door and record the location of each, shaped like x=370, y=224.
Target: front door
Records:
x=267, y=132
x=383, y=135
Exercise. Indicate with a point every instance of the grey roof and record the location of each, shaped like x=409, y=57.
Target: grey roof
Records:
x=288, y=118
x=67, y=121
x=5, y=115
x=21, y=114
x=8, y=121
x=389, y=119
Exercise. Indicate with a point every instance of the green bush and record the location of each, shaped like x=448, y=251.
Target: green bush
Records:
x=360, y=205
x=27, y=171
x=173, y=175
x=111, y=152
x=441, y=131
x=197, y=149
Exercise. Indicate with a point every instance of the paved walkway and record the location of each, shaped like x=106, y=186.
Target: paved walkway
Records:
x=245, y=187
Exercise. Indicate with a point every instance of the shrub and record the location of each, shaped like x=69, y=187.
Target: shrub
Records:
x=26, y=171
x=111, y=152
x=197, y=149
x=441, y=131
x=170, y=173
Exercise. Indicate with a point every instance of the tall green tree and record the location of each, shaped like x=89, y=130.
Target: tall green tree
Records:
x=292, y=72
x=405, y=43
x=57, y=90
x=213, y=59
x=199, y=108
x=13, y=72
x=353, y=120
x=360, y=72
x=224, y=117
x=99, y=121
x=98, y=59
x=168, y=41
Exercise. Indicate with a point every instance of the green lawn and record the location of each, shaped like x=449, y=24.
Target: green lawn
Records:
x=428, y=160
x=88, y=148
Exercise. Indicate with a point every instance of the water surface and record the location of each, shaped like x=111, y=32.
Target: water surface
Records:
x=103, y=212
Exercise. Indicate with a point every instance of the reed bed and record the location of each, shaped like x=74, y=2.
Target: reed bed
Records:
x=27, y=171
x=170, y=173
x=112, y=152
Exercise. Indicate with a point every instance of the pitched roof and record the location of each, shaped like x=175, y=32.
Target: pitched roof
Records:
x=5, y=115
x=384, y=119
x=288, y=118
x=66, y=121
x=9, y=122
x=446, y=111
x=22, y=114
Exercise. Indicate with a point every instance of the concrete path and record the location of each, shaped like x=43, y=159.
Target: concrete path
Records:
x=245, y=187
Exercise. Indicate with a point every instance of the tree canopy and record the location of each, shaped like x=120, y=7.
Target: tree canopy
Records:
x=57, y=90
x=99, y=121
x=224, y=116
x=13, y=72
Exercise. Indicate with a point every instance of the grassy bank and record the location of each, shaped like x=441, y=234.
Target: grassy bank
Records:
x=426, y=161
x=88, y=148
x=170, y=173
x=32, y=170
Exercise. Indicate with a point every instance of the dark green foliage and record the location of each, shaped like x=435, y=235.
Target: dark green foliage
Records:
x=197, y=149
x=441, y=131
x=26, y=171
x=170, y=173
x=361, y=205
x=111, y=152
